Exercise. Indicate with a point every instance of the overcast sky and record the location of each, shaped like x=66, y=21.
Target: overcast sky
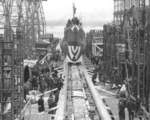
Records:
x=93, y=14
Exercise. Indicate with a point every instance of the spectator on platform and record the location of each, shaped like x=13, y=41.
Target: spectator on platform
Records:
x=60, y=82
x=40, y=83
x=55, y=81
x=34, y=83
x=94, y=78
x=52, y=68
x=55, y=73
x=41, y=107
x=27, y=87
x=61, y=78
x=51, y=100
x=48, y=82
x=43, y=84
x=56, y=93
x=51, y=82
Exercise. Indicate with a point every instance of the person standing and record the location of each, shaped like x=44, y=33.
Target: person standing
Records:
x=122, y=102
x=60, y=82
x=51, y=102
x=34, y=83
x=121, y=109
x=41, y=107
x=56, y=93
x=131, y=106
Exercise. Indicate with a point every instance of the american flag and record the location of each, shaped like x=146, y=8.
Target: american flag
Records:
x=74, y=10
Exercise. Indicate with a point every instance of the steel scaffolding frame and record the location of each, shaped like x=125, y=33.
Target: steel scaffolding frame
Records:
x=136, y=37
x=11, y=59
x=22, y=23
x=35, y=25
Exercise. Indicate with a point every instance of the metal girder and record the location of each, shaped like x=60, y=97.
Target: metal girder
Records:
x=34, y=23
x=137, y=47
x=22, y=23
x=11, y=80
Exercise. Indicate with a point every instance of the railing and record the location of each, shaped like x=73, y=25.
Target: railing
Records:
x=146, y=114
x=102, y=110
x=60, y=113
x=26, y=113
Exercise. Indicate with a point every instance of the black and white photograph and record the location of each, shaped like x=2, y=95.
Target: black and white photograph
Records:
x=74, y=59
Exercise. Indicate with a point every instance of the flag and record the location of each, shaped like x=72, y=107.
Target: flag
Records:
x=74, y=9
x=58, y=46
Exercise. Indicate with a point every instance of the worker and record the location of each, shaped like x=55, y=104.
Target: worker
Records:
x=51, y=100
x=41, y=107
x=34, y=83
x=94, y=78
x=121, y=105
x=122, y=102
x=131, y=106
x=60, y=82
x=56, y=93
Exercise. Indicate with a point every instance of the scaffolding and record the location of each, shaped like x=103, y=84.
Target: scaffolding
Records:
x=135, y=30
x=22, y=23
x=133, y=16
x=11, y=61
x=35, y=25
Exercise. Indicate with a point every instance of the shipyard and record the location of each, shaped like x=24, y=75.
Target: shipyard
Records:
x=74, y=60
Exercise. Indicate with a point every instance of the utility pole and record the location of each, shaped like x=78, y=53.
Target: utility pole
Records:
x=140, y=54
x=147, y=62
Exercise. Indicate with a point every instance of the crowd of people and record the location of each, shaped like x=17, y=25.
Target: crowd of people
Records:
x=46, y=81
x=49, y=83
x=42, y=80
x=52, y=102
x=130, y=103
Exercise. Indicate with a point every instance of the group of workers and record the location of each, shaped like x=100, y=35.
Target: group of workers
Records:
x=46, y=79
x=130, y=103
x=52, y=102
x=126, y=102
x=52, y=82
